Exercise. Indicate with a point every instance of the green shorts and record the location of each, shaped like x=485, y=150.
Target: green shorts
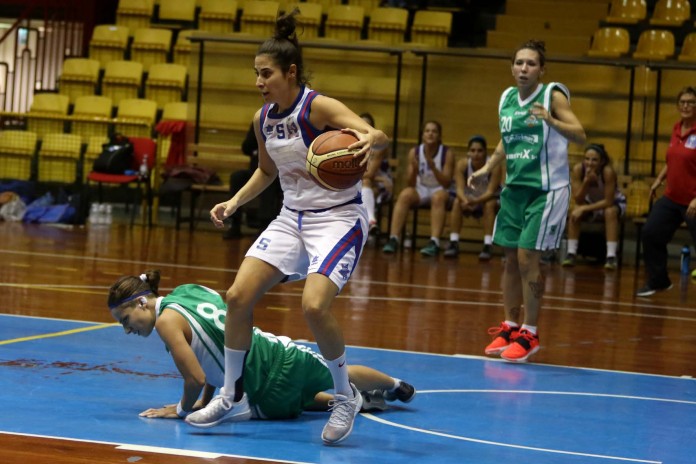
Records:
x=531, y=219
x=292, y=383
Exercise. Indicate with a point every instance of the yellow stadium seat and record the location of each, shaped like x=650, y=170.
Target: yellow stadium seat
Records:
x=92, y=151
x=177, y=10
x=325, y=4
x=165, y=83
x=78, y=77
x=627, y=11
x=345, y=22
x=140, y=113
x=610, y=42
x=368, y=5
x=654, y=44
x=122, y=79
x=388, y=25
x=431, y=27
x=688, y=48
x=59, y=158
x=259, y=17
x=47, y=113
x=91, y=117
x=108, y=43
x=134, y=14
x=182, y=48
x=17, y=150
x=151, y=46
x=670, y=13
x=175, y=111
x=217, y=16
x=309, y=19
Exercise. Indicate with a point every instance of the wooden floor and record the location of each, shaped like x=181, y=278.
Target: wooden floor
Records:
x=590, y=317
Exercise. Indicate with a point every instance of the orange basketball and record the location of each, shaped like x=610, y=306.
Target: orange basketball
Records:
x=331, y=163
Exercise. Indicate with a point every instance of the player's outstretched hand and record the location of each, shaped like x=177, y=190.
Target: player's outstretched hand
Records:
x=166, y=412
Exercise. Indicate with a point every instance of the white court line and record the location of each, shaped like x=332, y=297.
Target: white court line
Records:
x=155, y=449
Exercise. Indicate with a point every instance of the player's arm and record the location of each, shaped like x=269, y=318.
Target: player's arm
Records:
x=329, y=112
x=412, y=169
x=460, y=179
x=609, y=190
x=493, y=161
x=374, y=163
x=444, y=176
x=561, y=118
x=577, y=185
x=492, y=188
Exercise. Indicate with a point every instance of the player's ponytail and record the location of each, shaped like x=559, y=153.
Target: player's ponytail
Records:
x=284, y=48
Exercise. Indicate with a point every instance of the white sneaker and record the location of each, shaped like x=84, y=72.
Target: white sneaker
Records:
x=343, y=412
x=219, y=410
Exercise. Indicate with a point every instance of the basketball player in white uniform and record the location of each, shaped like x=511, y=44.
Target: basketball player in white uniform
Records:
x=318, y=235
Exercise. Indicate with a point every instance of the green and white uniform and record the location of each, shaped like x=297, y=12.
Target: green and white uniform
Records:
x=534, y=202
x=280, y=377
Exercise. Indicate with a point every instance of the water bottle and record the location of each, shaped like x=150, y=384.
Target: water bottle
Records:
x=685, y=259
x=143, y=168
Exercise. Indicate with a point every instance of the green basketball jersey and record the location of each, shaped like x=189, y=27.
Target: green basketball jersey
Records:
x=280, y=377
x=536, y=155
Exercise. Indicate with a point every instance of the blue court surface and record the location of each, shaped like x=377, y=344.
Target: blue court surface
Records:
x=87, y=381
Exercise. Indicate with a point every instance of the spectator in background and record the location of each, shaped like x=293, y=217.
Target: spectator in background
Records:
x=678, y=204
x=597, y=198
x=377, y=182
x=479, y=201
x=270, y=199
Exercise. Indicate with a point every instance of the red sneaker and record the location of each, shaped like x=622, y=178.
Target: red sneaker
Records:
x=525, y=345
x=504, y=336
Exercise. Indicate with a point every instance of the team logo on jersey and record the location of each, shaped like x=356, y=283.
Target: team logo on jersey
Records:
x=315, y=260
x=344, y=271
x=531, y=121
x=526, y=138
x=526, y=154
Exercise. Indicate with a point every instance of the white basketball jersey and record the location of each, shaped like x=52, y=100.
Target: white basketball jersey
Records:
x=288, y=136
x=426, y=177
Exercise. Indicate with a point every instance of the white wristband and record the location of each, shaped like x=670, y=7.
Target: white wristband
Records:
x=180, y=411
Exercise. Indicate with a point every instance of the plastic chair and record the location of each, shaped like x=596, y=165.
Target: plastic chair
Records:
x=432, y=28
x=165, y=83
x=182, y=48
x=78, y=77
x=151, y=46
x=91, y=117
x=177, y=10
x=388, y=25
x=59, y=158
x=92, y=151
x=17, y=150
x=325, y=4
x=610, y=42
x=367, y=5
x=345, y=22
x=670, y=13
x=144, y=148
x=688, y=48
x=217, y=15
x=108, y=43
x=47, y=113
x=175, y=111
x=654, y=44
x=259, y=17
x=309, y=19
x=135, y=117
x=134, y=14
x=122, y=79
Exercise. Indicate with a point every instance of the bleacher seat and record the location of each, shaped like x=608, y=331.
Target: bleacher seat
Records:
x=108, y=43
x=259, y=17
x=670, y=13
x=432, y=28
x=182, y=48
x=344, y=22
x=688, y=48
x=93, y=149
x=654, y=44
x=47, y=113
x=175, y=111
x=367, y=5
x=91, y=117
x=388, y=25
x=59, y=158
x=140, y=112
x=610, y=42
x=122, y=79
x=134, y=14
x=165, y=83
x=217, y=16
x=78, y=77
x=17, y=150
x=177, y=10
x=151, y=46
x=627, y=11
x=309, y=19
x=325, y=4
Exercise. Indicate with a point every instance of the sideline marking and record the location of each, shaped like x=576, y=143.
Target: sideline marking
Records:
x=57, y=334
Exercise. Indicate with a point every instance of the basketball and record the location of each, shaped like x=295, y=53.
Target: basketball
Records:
x=331, y=163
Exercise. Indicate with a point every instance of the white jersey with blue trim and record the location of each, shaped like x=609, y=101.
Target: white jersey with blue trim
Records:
x=287, y=136
x=426, y=177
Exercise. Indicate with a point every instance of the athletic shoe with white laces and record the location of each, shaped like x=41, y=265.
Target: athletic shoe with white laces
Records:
x=343, y=412
x=219, y=410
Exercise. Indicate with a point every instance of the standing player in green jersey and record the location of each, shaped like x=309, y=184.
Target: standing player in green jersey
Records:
x=536, y=124
x=281, y=379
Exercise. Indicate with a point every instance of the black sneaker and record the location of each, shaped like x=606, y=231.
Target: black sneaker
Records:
x=452, y=250
x=485, y=254
x=649, y=291
x=405, y=393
